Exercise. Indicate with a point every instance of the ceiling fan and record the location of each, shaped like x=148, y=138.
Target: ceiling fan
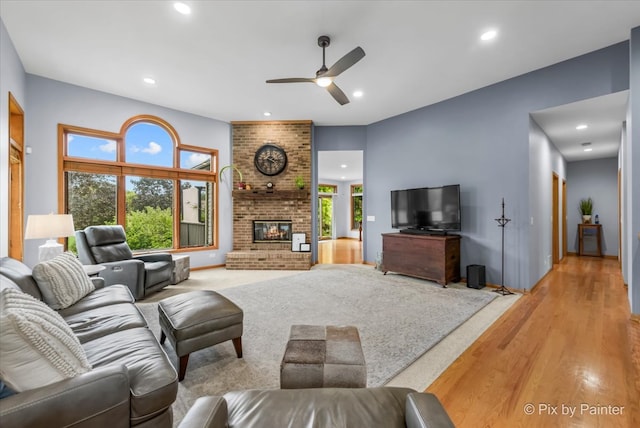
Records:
x=324, y=76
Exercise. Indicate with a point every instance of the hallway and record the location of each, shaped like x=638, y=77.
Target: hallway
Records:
x=568, y=346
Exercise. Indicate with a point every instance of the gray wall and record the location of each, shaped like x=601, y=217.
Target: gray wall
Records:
x=597, y=179
x=13, y=80
x=52, y=102
x=544, y=161
x=328, y=138
x=481, y=140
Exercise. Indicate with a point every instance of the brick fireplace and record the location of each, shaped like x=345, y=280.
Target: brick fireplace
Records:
x=283, y=203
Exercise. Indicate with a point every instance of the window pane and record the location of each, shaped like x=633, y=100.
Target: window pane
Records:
x=149, y=144
x=327, y=188
x=91, y=199
x=195, y=160
x=149, y=205
x=91, y=147
x=357, y=212
x=196, y=213
x=356, y=206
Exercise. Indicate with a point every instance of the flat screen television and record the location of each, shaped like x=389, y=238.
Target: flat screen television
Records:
x=427, y=209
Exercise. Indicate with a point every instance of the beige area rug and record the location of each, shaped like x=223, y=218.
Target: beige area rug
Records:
x=252, y=373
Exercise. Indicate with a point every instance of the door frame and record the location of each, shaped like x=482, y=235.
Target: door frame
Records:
x=564, y=219
x=16, y=179
x=555, y=221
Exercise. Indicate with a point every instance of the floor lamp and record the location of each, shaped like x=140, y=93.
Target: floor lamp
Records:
x=502, y=222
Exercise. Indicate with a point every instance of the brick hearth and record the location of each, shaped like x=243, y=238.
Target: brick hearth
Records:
x=284, y=202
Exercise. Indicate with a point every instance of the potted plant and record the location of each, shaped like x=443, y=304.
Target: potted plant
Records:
x=586, y=208
x=241, y=184
x=300, y=182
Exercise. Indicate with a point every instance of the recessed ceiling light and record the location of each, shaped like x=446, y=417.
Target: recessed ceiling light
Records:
x=343, y=165
x=183, y=8
x=581, y=127
x=267, y=113
x=489, y=35
x=149, y=81
x=343, y=177
x=358, y=94
x=589, y=149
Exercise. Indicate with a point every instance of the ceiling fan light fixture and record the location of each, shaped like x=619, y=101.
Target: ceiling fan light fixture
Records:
x=323, y=82
x=182, y=8
x=489, y=35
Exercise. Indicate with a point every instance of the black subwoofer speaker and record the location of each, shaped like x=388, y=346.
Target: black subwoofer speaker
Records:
x=475, y=276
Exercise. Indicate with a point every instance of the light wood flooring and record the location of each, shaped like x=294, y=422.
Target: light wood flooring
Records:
x=565, y=355
x=567, y=347
x=340, y=251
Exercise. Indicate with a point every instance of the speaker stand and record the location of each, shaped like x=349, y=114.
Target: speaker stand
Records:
x=502, y=222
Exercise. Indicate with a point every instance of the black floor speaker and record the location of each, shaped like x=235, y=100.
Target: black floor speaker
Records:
x=475, y=276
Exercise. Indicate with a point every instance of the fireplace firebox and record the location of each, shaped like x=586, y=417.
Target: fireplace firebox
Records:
x=272, y=231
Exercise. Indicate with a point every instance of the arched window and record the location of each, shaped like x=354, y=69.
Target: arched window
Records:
x=161, y=191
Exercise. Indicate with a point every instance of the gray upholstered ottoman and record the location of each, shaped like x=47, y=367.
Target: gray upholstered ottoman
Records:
x=197, y=320
x=323, y=356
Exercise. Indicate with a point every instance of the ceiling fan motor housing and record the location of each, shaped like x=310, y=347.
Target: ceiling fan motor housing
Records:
x=324, y=41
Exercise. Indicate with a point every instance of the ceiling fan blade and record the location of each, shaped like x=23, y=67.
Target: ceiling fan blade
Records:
x=292, y=80
x=345, y=62
x=337, y=94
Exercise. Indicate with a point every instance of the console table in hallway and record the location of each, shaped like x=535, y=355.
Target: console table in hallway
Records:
x=589, y=230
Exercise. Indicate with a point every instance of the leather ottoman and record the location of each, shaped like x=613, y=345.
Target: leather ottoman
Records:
x=323, y=357
x=197, y=320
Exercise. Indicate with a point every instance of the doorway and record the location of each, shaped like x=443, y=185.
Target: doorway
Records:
x=16, y=179
x=339, y=206
x=564, y=219
x=555, y=240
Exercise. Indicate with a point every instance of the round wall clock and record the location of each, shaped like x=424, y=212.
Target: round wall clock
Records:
x=270, y=159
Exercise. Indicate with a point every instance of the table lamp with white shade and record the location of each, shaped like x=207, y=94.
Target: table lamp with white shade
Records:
x=49, y=227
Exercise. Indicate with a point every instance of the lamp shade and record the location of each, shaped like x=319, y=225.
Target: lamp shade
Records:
x=48, y=226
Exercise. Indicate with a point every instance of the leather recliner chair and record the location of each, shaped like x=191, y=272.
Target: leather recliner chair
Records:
x=107, y=246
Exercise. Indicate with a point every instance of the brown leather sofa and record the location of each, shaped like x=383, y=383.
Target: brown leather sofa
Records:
x=131, y=383
x=383, y=407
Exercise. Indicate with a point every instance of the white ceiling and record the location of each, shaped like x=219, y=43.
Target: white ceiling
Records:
x=214, y=62
x=603, y=116
x=330, y=165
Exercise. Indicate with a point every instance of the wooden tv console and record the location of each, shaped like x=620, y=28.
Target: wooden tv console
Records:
x=432, y=257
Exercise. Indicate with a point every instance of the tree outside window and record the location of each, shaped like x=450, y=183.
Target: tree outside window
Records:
x=356, y=206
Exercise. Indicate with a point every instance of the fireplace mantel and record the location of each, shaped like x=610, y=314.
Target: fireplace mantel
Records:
x=270, y=194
